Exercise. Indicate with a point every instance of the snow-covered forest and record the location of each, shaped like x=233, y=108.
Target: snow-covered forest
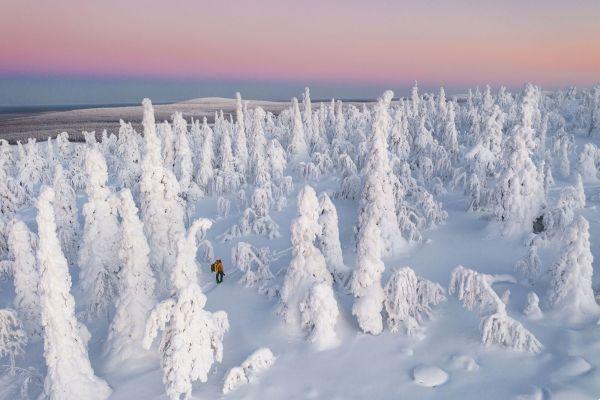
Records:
x=421, y=247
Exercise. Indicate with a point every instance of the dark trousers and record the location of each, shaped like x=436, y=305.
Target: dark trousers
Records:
x=220, y=276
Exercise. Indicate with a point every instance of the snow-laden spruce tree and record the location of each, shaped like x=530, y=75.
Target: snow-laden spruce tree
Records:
x=184, y=163
x=587, y=162
x=66, y=214
x=249, y=371
x=129, y=158
x=167, y=140
x=318, y=313
x=70, y=374
x=475, y=291
x=24, y=269
x=366, y=279
x=377, y=198
x=255, y=219
x=570, y=289
x=408, y=300
x=205, y=166
x=136, y=290
x=240, y=144
x=192, y=338
x=31, y=167
x=328, y=238
x=13, y=338
x=254, y=264
x=530, y=265
x=300, y=300
x=227, y=179
x=519, y=193
x=298, y=148
x=161, y=209
x=98, y=255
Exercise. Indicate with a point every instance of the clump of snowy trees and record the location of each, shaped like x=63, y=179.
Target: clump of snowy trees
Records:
x=475, y=291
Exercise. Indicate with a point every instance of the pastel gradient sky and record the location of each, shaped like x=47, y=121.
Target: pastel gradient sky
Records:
x=454, y=43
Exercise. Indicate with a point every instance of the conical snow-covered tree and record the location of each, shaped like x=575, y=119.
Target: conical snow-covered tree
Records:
x=25, y=273
x=377, y=199
x=328, y=238
x=571, y=276
x=184, y=164
x=408, y=300
x=98, y=255
x=161, y=209
x=240, y=144
x=205, y=173
x=308, y=266
x=129, y=158
x=519, y=193
x=136, y=289
x=66, y=213
x=366, y=280
x=192, y=338
x=70, y=375
x=319, y=312
x=298, y=148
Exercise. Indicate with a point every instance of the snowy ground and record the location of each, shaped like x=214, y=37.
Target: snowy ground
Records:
x=378, y=367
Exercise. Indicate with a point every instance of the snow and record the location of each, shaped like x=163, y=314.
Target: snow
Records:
x=519, y=345
x=429, y=376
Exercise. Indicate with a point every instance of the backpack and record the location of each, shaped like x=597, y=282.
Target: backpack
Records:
x=213, y=267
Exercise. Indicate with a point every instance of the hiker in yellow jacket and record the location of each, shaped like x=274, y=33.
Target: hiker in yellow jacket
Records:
x=217, y=268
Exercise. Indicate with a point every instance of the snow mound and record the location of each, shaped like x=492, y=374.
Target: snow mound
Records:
x=574, y=366
x=257, y=362
x=405, y=352
x=534, y=394
x=459, y=361
x=429, y=376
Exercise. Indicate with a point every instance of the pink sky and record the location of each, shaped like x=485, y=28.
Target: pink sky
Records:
x=381, y=41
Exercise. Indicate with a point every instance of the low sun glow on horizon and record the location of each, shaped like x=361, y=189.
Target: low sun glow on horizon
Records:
x=457, y=43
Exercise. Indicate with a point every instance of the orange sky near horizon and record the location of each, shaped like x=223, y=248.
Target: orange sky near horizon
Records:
x=461, y=42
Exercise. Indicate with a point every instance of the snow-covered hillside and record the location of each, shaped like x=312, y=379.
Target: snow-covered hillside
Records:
x=416, y=248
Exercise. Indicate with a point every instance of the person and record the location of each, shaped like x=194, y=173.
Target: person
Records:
x=217, y=268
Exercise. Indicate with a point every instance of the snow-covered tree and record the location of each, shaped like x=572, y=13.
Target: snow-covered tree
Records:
x=70, y=374
x=408, y=300
x=136, y=289
x=13, y=337
x=254, y=264
x=307, y=269
x=161, y=209
x=377, y=198
x=318, y=313
x=240, y=146
x=366, y=279
x=255, y=219
x=257, y=362
x=587, y=162
x=205, y=173
x=530, y=266
x=192, y=338
x=129, y=158
x=98, y=255
x=298, y=148
x=328, y=238
x=66, y=214
x=184, y=164
x=475, y=291
x=570, y=289
x=25, y=274
x=520, y=194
